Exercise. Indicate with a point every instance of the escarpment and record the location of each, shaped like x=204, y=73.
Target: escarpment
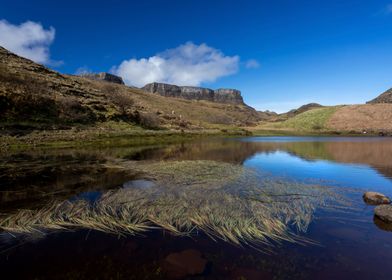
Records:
x=228, y=96
x=103, y=76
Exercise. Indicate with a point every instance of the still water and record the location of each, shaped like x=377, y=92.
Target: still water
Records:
x=197, y=200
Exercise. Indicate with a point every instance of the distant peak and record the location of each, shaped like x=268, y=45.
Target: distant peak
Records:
x=385, y=97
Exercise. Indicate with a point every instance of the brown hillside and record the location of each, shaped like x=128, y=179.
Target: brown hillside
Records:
x=370, y=118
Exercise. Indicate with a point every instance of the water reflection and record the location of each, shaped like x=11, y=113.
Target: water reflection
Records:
x=180, y=199
x=330, y=172
x=224, y=201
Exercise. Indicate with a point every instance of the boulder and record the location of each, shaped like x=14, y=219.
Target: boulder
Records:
x=384, y=213
x=381, y=224
x=188, y=262
x=375, y=198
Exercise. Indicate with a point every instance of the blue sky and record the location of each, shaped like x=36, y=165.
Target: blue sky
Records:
x=280, y=54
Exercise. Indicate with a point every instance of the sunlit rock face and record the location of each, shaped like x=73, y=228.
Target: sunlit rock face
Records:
x=226, y=95
x=231, y=96
x=163, y=89
x=197, y=93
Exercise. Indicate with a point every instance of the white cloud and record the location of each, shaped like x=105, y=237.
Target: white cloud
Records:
x=252, y=64
x=29, y=39
x=187, y=64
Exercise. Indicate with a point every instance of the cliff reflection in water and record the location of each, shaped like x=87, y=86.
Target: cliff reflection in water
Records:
x=376, y=154
x=220, y=192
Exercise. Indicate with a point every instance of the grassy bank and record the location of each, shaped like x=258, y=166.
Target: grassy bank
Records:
x=109, y=134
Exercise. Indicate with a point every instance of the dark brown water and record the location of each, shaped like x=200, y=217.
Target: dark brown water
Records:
x=350, y=245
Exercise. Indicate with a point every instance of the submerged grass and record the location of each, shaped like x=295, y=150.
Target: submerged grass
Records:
x=225, y=201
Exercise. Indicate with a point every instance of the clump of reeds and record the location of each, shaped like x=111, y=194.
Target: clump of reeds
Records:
x=223, y=200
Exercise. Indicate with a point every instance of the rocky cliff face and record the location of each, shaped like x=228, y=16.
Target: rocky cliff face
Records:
x=163, y=89
x=197, y=93
x=386, y=97
x=104, y=77
x=225, y=95
x=230, y=96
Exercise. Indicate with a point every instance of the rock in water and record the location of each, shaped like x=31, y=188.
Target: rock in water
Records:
x=188, y=262
x=381, y=224
x=384, y=213
x=375, y=198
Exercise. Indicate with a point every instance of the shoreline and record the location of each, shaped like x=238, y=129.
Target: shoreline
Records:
x=136, y=136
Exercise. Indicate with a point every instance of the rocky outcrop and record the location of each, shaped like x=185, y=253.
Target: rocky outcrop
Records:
x=231, y=96
x=197, y=93
x=104, y=77
x=163, y=89
x=385, y=97
x=225, y=95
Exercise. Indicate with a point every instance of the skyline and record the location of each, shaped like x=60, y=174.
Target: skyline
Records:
x=280, y=55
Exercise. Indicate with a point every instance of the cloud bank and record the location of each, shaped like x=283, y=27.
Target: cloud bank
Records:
x=187, y=64
x=29, y=39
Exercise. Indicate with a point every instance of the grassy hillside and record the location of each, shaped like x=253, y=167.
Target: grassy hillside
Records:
x=315, y=119
x=349, y=119
x=34, y=98
x=38, y=105
x=312, y=120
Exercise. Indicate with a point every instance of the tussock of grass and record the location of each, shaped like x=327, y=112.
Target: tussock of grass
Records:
x=225, y=201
